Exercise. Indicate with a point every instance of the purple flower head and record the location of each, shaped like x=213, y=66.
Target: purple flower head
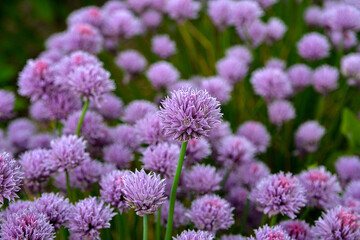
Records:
x=348, y=169
x=297, y=230
x=55, y=207
x=255, y=33
x=314, y=16
x=270, y=233
x=275, y=63
x=27, y=224
x=15, y=207
x=163, y=46
x=300, y=76
x=266, y=3
x=39, y=112
x=338, y=223
x=325, y=79
x=144, y=192
x=180, y=10
x=271, y=83
x=240, y=52
x=151, y=18
x=220, y=13
x=150, y=129
x=10, y=176
x=57, y=42
x=353, y=190
x=131, y=61
x=7, y=101
x=52, y=55
x=279, y=193
x=112, y=189
x=194, y=235
x=321, y=187
x=137, y=110
x=237, y=197
x=162, y=75
x=232, y=237
x=232, y=69
x=119, y=155
x=202, y=179
x=345, y=40
x=126, y=135
x=121, y=24
x=308, y=136
x=245, y=12
x=83, y=37
x=197, y=150
x=217, y=87
x=220, y=131
x=352, y=204
x=276, y=30
x=19, y=133
x=341, y=18
x=280, y=111
x=256, y=133
x=211, y=213
x=138, y=5
x=110, y=106
x=251, y=173
x=235, y=151
x=189, y=113
x=180, y=218
x=350, y=66
x=161, y=159
x=88, y=217
x=90, y=15
x=313, y=46
x=68, y=151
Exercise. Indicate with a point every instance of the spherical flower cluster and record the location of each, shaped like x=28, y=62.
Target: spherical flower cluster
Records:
x=83, y=37
x=240, y=52
x=202, y=179
x=275, y=30
x=122, y=24
x=267, y=232
x=245, y=12
x=348, y=169
x=162, y=75
x=341, y=18
x=237, y=197
x=220, y=13
x=255, y=33
x=232, y=237
x=308, y=136
x=41, y=140
x=126, y=135
x=220, y=131
x=296, y=229
x=350, y=66
x=300, y=76
x=256, y=133
x=343, y=40
x=180, y=218
x=91, y=15
x=19, y=133
x=131, y=61
x=313, y=46
x=251, y=173
x=313, y=16
x=275, y=63
x=217, y=87
x=163, y=46
x=279, y=193
x=325, y=79
x=7, y=101
x=118, y=154
x=180, y=10
x=110, y=106
x=151, y=18
x=266, y=3
x=280, y=111
x=150, y=129
x=231, y=69
x=137, y=110
x=197, y=150
x=352, y=190
x=194, y=235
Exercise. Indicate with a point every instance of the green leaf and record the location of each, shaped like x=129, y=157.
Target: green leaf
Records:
x=350, y=128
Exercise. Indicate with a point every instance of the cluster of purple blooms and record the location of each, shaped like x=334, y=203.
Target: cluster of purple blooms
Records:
x=122, y=156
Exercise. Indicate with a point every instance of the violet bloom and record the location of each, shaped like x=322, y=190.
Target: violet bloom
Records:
x=126, y=135
x=352, y=204
x=15, y=207
x=217, y=87
x=345, y=40
x=232, y=237
x=91, y=15
x=245, y=12
x=189, y=114
x=19, y=133
x=138, y=5
x=308, y=136
x=11, y=178
x=348, y=169
x=275, y=30
x=275, y=63
x=131, y=61
x=271, y=83
x=118, y=154
x=237, y=197
x=88, y=217
x=151, y=18
x=313, y=16
x=112, y=189
x=202, y=179
x=52, y=55
x=325, y=79
x=194, y=235
x=279, y=193
x=240, y=52
x=55, y=207
x=350, y=66
x=232, y=69
x=251, y=173
x=57, y=41
x=27, y=224
x=137, y=110
x=321, y=187
x=353, y=190
x=313, y=46
x=161, y=159
x=197, y=150
x=163, y=46
x=220, y=13
x=121, y=24
x=254, y=33
x=211, y=213
x=144, y=192
x=297, y=230
x=7, y=101
x=266, y=3
x=256, y=133
x=220, y=131
x=180, y=218
x=39, y=112
x=181, y=10
x=162, y=75
x=280, y=111
x=110, y=106
x=270, y=233
x=300, y=76
x=341, y=18
x=338, y=223
x=150, y=129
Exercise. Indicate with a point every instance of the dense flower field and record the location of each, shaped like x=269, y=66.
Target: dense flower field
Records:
x=188, y=120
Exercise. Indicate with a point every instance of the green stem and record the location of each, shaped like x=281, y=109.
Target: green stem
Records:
x=227, y=174
x=305, y=213
x=145, y=228
x=244, y=216
x=273, y=220
x=68, y=187
x=119, y=229
x=264, y=219
x=78, y=128
x=173, y=192
x=158, y=225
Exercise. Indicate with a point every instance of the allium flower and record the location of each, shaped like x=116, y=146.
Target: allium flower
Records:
x=7, y=101
x=256, y=133
x=27, y=224
x=119, y=155
x=202, y=179
x=15, y=207
x=237, y=197
x=55, y=207
x=240, y=52
x=126, y=135
x=68, y=151
x=83, y=37
x=245, y=12
x=352, y=204
x=57, y=41
x=232, y=69
x=10, y=176
x=275, y=30
x=194, y=235
x=151, y=18
x=217, y=87
x=180, y=10
x=338, y=223
x=110, y=106
x=300, y=76
x=112, y=189
x=180, y=218
x=314, y=16
x=220, y=131
x=189, y=114
x=144, y=192
x=353, y=190
x=88, y=217
x=90, y=15
x=348, y=169
x=235, y=151
x=321, y=187
x=138, y=5
x=163, y=46
x=197, y=150
x=19, y=133
x=121, y=24
x=161, y=159
x=220, y=13
x=308, y=136
x=211, y=213
x=313, y=46
x=350, y=66
x=131, y=61
x=137, y=110
x=270, y=233
x=251, y=173
x=5, y=144
x=325, y=79
x=345, y=40
x=52, y=55
x=280, y=111
x=297, y=230
x=39, y=112
x=162, y=75
x=266, y=3
x=275, y=63
x=342, y=17
x=150, y=129
x=271, y=83
x=254, y=33
x=279, y=193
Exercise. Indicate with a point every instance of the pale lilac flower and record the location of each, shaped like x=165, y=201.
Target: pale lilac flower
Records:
x=180, y=218
x=202, y=179
x=275, y=30
x=352, y=190
x=217, y=87
x=110, y=106
x=256, y=133
x=150, y=129
x=194, y=235
x=162, y=75
x=91, y=15
x=57, y=41
x=250, y=174
x=343, y=40
x=84, y=37
x=297, y=230
x=121, y=24
x=232, y=237
x=254, y=34
x=280, y=111
x=350, y=66
x=19, y=133
x=237, y=197
x=342, y=17
x=181, y=10
x=314, y=16
x=313, y=46
x=245, y=12
x=348, y=169
x=151, y=18
x=240, y=52
x=232, y=69
x=137, y=110
x=308, y=136
x=7, y=101
x=197, y=150
x=39, y=112
x=119, y=155
x=219, y=131
x=131, y=61
x=138, y=5
x=51, y=55
x=275, y=63
x=126, y=135
x=220, y=13
x=325, y=79
x=300, y=76
x=163, y=46
x=266, y=3
x=270, y=233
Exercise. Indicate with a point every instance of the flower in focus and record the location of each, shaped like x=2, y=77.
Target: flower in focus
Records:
x=267, y=232
x=194, y=235
x=297, y=230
